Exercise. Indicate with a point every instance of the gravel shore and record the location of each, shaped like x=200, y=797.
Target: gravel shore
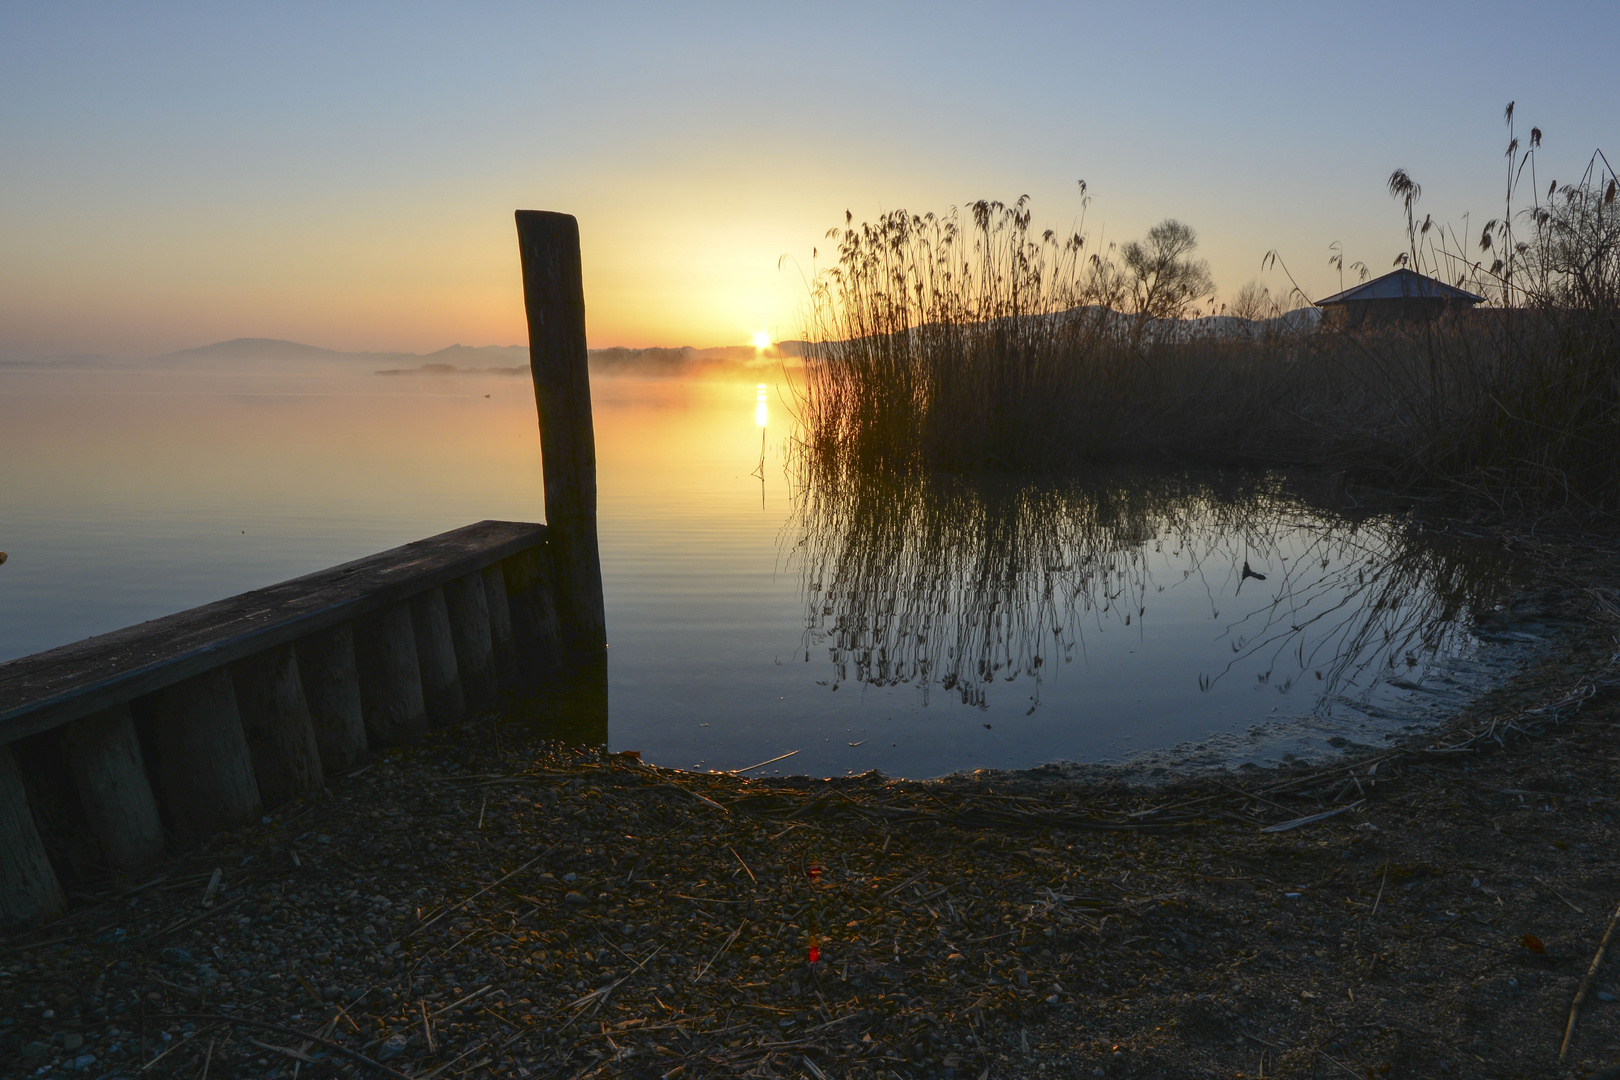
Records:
x=490, y=903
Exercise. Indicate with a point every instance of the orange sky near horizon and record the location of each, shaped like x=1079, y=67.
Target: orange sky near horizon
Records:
x=357, y=284
x=182, y=173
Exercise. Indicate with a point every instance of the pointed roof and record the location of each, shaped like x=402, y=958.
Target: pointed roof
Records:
x=1402, y=284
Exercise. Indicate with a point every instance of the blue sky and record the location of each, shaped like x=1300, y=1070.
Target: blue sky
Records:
x=344, y=174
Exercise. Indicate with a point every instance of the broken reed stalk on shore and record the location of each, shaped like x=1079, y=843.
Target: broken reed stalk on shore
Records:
x=1586, y=983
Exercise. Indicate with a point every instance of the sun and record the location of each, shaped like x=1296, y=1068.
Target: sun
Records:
x=762, y=340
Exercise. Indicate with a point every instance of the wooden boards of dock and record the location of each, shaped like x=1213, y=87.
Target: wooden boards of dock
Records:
x=198, y=722
x=202, y=720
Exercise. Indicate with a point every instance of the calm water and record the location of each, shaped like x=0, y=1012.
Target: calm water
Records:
x=918, y=630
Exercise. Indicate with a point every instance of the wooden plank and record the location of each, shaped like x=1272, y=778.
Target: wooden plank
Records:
x=275, y=718
x=332, y=692
x=113, y=787
x=29, y=892
x=436, y=658
x=536, y=648
x=470, y=630
x=48, y=689
x=500, y=624
x=390, y=676
x=204, y=766
x=554, y=299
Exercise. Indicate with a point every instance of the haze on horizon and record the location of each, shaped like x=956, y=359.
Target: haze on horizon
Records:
x=179, y=174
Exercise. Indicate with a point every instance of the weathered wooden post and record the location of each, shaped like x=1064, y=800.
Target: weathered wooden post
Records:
x=436, y=657
x=470, y=629
x=105, y=756
x=579, y=702
x=533, y=616
x=205, y=770
x=500, y=624
x=554, y=298
x=390, y=680
x=29, y=892
x=332, y=692
x=276, y=720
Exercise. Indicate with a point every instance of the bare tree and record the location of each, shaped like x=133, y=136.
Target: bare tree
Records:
x=1253, y=302
x=1165, y=280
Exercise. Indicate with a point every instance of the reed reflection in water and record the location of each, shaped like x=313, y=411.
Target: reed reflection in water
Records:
x=959, y=585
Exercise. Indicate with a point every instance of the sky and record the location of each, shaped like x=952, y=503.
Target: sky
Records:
x=344, y=174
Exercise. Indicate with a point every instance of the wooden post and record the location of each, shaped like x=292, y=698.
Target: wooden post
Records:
x=470, y=631
x=205, y=770
x=332, y=692
x=390, y=680
x=436, y=657
x=535, y=634
x=554, y=299
x=276, y=721
x=577, y=702
x=500, y=624
x=29, y=892
x=110, y=773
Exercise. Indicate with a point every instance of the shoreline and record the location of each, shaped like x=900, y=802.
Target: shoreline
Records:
x=488, y=903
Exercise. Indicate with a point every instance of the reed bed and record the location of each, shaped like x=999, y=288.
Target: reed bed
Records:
x=943, y=344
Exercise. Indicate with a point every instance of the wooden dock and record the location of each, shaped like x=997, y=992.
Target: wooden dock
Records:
x=160, y=733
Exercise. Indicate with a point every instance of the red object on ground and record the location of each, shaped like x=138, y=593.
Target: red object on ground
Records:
x=1534, y=944
x=814, y=954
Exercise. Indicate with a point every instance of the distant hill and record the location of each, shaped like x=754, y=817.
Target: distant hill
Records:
x=250, y=349
x=62, y=362
x=272, y=354
x=686, y=362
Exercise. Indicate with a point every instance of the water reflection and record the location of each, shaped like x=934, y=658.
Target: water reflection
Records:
x=956, y=585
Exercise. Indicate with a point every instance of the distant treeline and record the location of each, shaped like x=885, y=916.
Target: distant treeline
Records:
x=733, y=361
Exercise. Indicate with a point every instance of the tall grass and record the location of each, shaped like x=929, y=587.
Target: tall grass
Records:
x=950, y=345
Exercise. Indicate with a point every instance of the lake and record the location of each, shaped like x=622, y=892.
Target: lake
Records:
x=918, y=628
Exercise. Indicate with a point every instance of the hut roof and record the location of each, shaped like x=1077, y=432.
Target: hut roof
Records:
x=1402, y=284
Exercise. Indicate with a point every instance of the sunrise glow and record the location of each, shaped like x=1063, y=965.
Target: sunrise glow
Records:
x=367, y=204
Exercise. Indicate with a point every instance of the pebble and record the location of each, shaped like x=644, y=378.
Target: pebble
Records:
x=694, y=909
x=1604, y=995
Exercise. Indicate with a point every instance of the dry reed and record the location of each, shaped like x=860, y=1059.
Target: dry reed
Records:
x=940, y=345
